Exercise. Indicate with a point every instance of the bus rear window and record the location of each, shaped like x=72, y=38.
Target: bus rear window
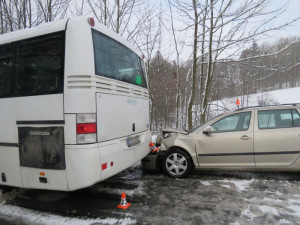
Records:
x=114, y=60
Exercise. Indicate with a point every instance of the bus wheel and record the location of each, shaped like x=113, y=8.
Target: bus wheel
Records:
x=177, y=163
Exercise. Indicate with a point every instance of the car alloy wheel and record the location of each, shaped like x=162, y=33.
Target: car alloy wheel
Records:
x=177, y=163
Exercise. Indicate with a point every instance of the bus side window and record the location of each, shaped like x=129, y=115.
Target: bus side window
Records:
x=6, y=60
x=39, y=67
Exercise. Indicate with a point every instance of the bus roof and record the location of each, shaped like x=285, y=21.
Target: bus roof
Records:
x=59, y=25
x=39, y=30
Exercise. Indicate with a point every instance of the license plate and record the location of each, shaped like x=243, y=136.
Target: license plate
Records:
x=133, y=141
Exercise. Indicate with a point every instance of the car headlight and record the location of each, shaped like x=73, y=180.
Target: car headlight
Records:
x=166, y=135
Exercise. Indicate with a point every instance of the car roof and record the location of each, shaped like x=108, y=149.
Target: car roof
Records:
x=280, y=106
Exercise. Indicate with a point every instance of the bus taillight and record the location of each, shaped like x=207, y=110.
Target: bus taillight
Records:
x=86, y=128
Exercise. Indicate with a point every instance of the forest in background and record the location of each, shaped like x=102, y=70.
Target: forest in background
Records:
x=196, y=51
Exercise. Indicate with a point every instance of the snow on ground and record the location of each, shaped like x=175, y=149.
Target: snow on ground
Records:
x=268, y=210
x=201, y=198
x=225, y=186
x=31, y=216
x=241, y=185
x=247, y=214
x=294, y=205
x=283, y=96
x=206, y=183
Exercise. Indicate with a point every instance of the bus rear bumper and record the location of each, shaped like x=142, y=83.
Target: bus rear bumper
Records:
x=85, y=165
x=89, y=164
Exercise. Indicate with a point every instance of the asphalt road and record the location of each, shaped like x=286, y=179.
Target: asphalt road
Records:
x=201, y=198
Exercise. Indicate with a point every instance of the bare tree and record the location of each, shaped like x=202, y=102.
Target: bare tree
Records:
x=52, y=9
x=178, y=50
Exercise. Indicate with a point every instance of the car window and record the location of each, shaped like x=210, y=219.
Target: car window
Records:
x=203, y=124
x=269, y=119
x=235, y=122
x=296, y=118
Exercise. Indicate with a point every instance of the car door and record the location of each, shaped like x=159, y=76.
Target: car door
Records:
x=276, y=135
x=231, y=143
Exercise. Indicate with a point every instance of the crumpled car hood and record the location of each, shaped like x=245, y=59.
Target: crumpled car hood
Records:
x=164, y=131
x=167, y=132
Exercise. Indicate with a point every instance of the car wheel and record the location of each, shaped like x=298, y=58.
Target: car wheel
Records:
x=177, y=164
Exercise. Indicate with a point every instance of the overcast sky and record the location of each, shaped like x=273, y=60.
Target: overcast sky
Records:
x=292, y=12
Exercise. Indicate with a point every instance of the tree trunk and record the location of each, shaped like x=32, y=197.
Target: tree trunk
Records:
x=191, y=100
x=1, y=17
x=118, y=17
x=209, y=66
x=105, y=12
x=202, y=80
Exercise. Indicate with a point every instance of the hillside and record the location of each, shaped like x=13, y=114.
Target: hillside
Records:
x=283, y=96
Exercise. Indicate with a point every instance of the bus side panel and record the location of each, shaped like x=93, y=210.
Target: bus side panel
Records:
x=33, y=108
x=10, y=166
x=8, y=129
x=52, y=180
x=83, y=165
x=44, y=107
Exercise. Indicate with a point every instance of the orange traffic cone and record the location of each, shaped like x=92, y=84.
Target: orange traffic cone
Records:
x=123, y=204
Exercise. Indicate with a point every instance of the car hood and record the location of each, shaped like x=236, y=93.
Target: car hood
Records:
x=167, y=133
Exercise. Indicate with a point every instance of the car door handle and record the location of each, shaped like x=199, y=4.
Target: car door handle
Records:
x=245, y=138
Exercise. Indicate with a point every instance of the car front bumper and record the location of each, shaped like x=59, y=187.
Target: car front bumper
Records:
x=150, y=162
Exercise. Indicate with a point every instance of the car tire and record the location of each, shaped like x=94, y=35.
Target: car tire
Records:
x=177, y=163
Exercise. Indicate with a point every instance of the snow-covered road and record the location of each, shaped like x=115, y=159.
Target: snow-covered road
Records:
x=202, y=198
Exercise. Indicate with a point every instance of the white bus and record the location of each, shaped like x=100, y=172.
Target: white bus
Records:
x=74, y=105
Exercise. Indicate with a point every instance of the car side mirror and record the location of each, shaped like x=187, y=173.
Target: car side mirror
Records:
x=208, y=130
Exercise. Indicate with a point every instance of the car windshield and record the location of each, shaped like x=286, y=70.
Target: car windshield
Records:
x=201, y=125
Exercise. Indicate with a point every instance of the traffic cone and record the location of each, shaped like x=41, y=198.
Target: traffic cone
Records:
x=123, y=204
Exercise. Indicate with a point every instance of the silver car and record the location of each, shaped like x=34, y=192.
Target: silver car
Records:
x=257, y=138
